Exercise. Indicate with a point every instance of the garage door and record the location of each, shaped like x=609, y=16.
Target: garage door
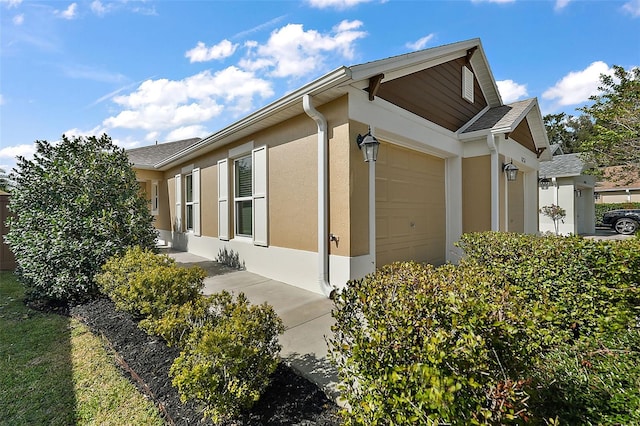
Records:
x=410, y=206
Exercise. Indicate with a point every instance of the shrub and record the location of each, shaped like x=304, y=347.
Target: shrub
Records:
x=525, y=329
x=226, y=362
x=588, y=286
x=76, y=204
x=146, y=284
x=591, y=381
x=417, y=344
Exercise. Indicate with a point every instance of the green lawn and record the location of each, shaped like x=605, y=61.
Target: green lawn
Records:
x=53, y=371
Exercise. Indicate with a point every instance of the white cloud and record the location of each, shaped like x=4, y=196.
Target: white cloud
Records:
x=96, y=131
x=561, y=4
x=337, y=4
x=2, y=100
x=165, y=104
x=511, y=91
x=11, y=3
x=632, y=7
x=186, y=132
x=292, y=51
x=577, y=86
x=18, y=19
x=24, y=150
x=98, y=8
x=69, y=13
x=202, y=53
x=421, y=42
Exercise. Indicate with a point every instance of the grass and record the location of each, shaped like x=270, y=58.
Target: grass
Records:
x=53, y=371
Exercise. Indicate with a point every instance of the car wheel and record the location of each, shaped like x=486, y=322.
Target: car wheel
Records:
x=626, y=226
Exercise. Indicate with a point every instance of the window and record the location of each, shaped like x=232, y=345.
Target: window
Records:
x=188, y=202
x=155, y=198
x=249, y=190
x=243, y=195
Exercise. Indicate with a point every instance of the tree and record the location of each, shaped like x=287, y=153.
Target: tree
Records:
x=555, y=213
x=568, y=131
x=78, y=205
x=615, y=114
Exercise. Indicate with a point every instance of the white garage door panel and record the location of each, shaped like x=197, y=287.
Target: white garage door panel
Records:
x=410, y=206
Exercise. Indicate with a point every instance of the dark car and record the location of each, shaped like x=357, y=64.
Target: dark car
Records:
x=625, y=221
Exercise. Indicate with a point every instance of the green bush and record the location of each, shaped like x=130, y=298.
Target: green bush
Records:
x=226, y=362
x=587, y=286
x=525, y=330
x=146, y=284
x=416, y=344
x=591, y=381
x=76, y=204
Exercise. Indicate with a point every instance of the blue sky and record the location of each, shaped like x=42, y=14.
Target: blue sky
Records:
x=143, y=71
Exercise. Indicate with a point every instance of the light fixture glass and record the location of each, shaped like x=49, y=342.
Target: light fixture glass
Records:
x=544, y=183
x=369, y=145
x=511, y=171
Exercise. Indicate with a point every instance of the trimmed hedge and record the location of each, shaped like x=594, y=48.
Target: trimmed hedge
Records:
x=525, y=330
x=228, y=348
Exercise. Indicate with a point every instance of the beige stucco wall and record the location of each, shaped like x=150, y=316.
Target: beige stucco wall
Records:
x=293, y=182
x=476, y=194
x=515, y=198
x=359, y=193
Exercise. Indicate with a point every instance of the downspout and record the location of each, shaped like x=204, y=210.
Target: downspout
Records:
x=323, y=197
x=495, y=183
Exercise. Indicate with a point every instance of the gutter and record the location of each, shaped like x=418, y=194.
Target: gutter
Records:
x=323, y=198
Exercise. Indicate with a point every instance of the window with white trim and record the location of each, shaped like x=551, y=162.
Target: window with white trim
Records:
x=155, y=198
x=243, y=196
x=249, y=209
x=188, y=202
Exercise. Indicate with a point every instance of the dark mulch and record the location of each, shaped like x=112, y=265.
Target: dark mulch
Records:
x=289, y=400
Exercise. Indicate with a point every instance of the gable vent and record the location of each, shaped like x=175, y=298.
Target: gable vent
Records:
x=467, y=84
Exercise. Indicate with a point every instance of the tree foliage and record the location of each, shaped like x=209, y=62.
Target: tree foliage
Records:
x=615, y=113
x=568, y=131
x=6, y=183
x=77, y=204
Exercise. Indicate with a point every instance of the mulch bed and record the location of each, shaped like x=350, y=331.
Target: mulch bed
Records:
x=146, y=360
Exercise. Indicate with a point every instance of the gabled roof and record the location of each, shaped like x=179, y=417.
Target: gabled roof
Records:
x=340, y=81
x=149, y=156
x=506, y=118
x=565, y=165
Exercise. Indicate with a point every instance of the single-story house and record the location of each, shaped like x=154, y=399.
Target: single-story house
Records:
x=286, y=188
x=619, y=184
x=564, y=183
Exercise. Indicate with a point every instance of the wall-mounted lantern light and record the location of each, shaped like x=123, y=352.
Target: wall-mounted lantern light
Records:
x=544, y=183
x=578, y=192
x=511, y=171
x=596, y=195
x=368, y=144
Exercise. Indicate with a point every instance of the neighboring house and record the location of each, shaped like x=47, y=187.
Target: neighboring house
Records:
x=7, y=259
x=287, y=191
x=618, y=185
x=569, y=187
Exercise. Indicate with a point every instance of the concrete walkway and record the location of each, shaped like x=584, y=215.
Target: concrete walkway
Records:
x=306, y=316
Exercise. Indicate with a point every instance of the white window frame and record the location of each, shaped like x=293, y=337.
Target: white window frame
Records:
x=188, y=204
x=237, y=199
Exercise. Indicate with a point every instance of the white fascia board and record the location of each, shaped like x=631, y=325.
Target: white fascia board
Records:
x=399, y=126
x=484, y=74
x=524, y=158
x=225, y=135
